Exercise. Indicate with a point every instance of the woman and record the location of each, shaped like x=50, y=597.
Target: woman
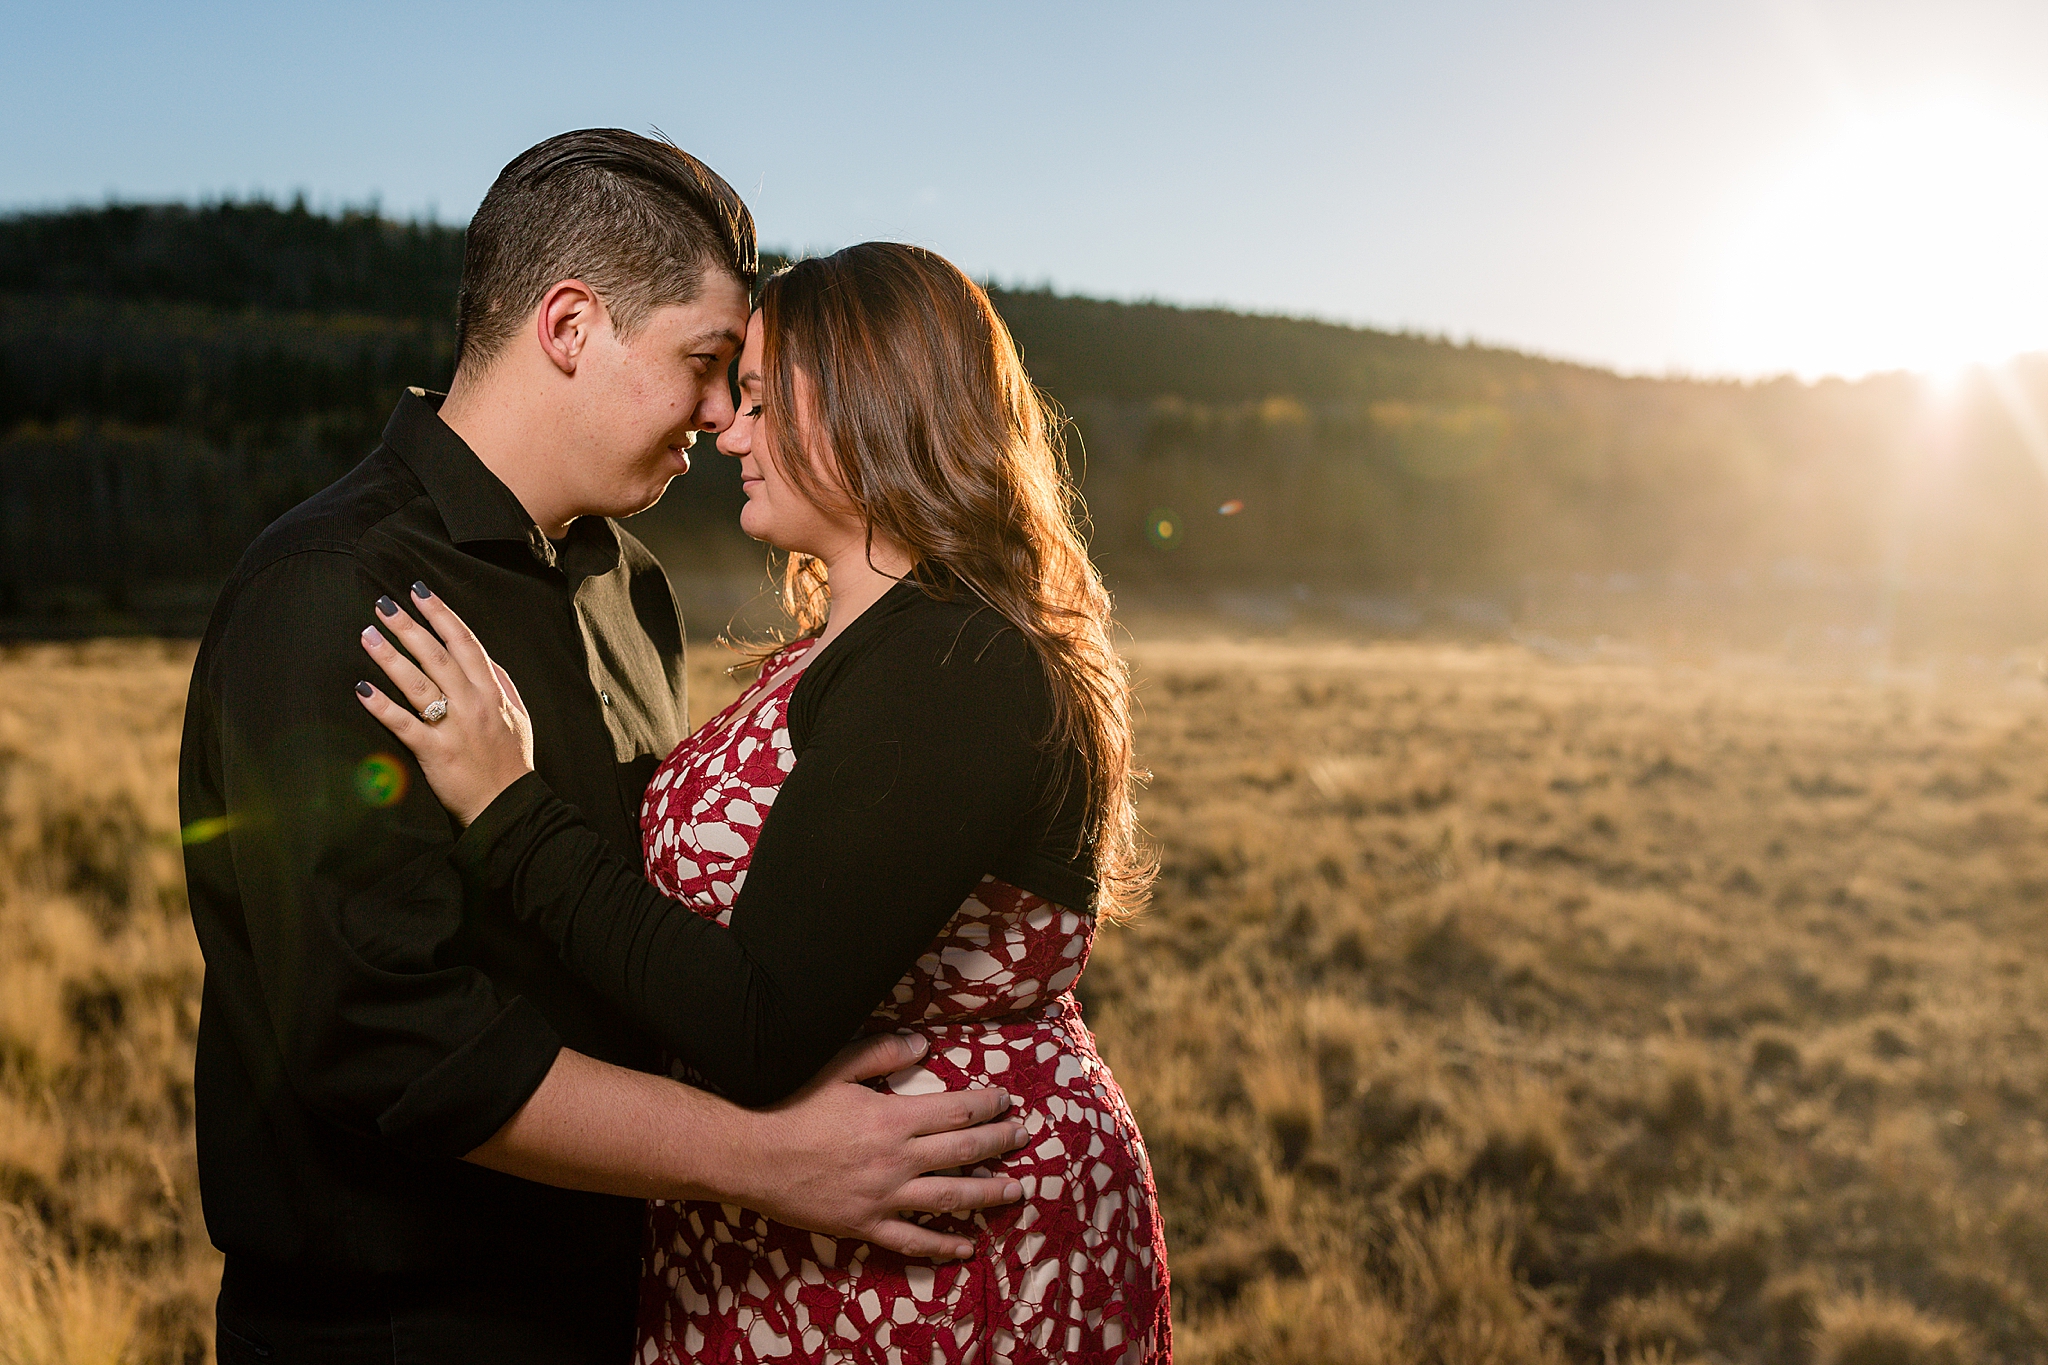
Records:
x=912, y=818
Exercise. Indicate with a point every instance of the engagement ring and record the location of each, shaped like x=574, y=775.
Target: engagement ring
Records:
x=434, y=710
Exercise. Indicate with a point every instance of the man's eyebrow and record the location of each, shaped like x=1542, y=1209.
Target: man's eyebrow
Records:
x=716, y=334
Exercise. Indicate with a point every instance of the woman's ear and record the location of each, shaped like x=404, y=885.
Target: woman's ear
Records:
x=569, y=314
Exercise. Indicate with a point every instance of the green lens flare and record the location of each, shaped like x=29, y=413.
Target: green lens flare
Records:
x=1163, y=527
x=381, y=780
x=207, y=830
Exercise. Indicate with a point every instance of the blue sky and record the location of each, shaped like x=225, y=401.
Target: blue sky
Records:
x=1571, y=177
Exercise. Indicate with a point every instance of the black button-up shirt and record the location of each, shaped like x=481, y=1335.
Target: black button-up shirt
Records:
x=363, y=1026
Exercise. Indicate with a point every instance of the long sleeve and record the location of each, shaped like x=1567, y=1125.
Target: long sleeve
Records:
x=920, y=767
x=348, y=901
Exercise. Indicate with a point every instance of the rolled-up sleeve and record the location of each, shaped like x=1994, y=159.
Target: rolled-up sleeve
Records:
x=350, y=904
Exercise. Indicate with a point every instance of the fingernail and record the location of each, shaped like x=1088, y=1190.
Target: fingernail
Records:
x=1003, y=1098
x=1013, y=1191
x=1018, y=1136
x=387, y=606
x=919, y=1044
x=962, y=1250
x=363, y=689
x=421, y=591
x=372, y=636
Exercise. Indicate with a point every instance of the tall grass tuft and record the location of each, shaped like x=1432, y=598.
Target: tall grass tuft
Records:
x=1880, y=1330
x=57, y=1309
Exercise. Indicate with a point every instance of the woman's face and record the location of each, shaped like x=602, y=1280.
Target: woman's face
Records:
x=777, y=511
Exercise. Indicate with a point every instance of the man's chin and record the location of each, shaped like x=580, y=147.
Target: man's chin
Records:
x=642, y=501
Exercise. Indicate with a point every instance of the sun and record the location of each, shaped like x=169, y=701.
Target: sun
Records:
x=1915, y=239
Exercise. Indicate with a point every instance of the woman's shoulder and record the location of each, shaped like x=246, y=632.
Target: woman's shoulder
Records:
x=949, y=628
x=914, y=647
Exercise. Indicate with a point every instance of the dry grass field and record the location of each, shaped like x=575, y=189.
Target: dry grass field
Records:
x=1491, y=1010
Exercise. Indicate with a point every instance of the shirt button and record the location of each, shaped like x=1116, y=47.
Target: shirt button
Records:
x=605, y=697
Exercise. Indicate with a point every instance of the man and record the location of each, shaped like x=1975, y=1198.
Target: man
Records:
x=420, y=1139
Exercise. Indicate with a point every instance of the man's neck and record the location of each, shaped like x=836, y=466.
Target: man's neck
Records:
x=511, y=441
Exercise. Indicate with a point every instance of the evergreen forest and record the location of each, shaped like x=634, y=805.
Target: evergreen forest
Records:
x=172, y=377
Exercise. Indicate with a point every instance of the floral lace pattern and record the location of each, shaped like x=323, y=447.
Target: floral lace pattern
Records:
x=1076, y=1271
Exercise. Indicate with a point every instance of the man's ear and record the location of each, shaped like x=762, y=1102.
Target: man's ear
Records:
x=569, y=314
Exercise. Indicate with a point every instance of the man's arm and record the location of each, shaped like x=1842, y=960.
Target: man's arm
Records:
x=836, y=1157
x=343, y=892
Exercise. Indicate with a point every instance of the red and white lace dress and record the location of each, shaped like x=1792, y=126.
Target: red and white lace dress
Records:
x=1075, y=1272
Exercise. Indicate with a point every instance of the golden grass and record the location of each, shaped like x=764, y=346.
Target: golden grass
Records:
x=1592, y=1012
x=103, y=1256
x=1491, y=1009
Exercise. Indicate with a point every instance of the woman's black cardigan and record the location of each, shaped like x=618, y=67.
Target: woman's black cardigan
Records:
x=921, y=765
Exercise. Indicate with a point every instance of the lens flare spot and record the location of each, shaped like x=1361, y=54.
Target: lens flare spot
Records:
x=1163, y=527
x=1231, y=508
x=381, y=780
x=207, y=830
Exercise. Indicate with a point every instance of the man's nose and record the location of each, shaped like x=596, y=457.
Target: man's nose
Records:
x=716, y=411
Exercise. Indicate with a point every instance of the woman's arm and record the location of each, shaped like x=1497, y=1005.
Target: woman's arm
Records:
x=915, y=778
x=919, y=768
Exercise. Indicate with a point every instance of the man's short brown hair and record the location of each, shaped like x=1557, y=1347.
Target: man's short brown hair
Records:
x=636, y=218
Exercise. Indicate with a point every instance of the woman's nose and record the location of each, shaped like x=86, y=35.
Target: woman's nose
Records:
x=731, y=442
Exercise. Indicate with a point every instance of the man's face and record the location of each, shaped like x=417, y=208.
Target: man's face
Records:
x=641, y=400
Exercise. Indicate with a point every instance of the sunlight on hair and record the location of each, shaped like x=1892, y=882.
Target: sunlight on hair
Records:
x=1908, y=240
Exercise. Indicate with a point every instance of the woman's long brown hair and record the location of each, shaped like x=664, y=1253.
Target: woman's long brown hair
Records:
x=914, y=390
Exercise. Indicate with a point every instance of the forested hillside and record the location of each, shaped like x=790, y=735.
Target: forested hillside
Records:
x=172, y=377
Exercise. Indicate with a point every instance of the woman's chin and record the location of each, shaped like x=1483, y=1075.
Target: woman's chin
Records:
x=758, y=527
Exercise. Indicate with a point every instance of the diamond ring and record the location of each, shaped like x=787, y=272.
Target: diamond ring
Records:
x=434, y=710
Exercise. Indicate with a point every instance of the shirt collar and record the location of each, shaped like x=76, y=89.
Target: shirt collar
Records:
x=474, y=503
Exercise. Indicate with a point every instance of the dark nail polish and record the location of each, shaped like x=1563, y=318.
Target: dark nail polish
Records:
x=421, y=591
x=387, y=606
x=363, y=689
